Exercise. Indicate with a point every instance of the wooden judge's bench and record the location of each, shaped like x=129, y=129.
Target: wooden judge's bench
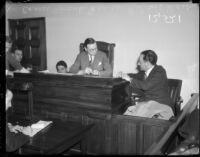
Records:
x=89, y=100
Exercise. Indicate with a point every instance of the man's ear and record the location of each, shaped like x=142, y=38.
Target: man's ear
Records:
x=148, y=64
x=85, y=49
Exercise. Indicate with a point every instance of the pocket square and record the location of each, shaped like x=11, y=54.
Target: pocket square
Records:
x=99, y=63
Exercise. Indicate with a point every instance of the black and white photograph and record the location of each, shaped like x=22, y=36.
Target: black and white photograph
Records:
x=100, y=78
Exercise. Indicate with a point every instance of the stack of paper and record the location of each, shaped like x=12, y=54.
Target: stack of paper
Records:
x=35, y=128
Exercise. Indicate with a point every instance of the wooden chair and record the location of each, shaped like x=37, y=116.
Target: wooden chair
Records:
x=174, y=89
x=108, y=48
x=27, y=88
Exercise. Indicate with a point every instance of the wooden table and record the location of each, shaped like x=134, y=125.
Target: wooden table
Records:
x=56, y=138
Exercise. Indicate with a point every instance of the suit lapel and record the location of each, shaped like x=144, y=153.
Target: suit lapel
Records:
x=152, y=72
x=86, y=56
x=96, y=60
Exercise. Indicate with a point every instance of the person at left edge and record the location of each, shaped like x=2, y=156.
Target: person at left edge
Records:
x=91, y=61
x=13, y=59
x=14, y=138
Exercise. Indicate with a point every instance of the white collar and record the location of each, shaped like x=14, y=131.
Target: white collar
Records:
x=149, y=70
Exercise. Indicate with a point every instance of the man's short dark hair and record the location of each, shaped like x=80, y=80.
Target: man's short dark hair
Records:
x=89, y=41
x=150, y=55
x=61, y=63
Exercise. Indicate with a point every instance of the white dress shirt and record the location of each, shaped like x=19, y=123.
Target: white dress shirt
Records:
x=148, y=71
x=91, y=58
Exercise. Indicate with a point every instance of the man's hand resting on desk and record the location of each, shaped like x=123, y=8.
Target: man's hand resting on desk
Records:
x=80, y=72
x=124, y=76
x=14, y=128
x=23, y=70
x=88, y=70
x=95, y=72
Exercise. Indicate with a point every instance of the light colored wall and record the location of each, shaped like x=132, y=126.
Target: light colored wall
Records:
x=170, y=29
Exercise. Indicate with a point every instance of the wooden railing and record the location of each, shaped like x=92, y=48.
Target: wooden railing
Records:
x=158, y=146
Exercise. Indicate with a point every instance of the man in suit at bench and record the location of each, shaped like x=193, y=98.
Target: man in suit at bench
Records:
x=155, y=102
x=91, y=61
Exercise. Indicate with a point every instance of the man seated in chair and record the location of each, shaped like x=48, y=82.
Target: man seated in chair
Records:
x=91, y=61
x=155, y=102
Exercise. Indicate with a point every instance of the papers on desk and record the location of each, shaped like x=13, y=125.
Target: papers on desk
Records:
x=35, y=128
x=68, y=74
x=44, y=71
x=55, y=73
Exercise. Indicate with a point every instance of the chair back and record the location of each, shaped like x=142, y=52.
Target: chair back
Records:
x=108, y=48
x=27, y=88
x=174, y=89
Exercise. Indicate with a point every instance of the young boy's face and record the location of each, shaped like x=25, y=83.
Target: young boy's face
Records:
x=61, y=69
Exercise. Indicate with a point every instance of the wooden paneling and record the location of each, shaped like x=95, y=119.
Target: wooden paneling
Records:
x=93, y=100
x=105, y=94
x=151, y=134
x=130, y=133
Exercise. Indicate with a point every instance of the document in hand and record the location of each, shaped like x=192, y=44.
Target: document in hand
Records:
x=35, y=128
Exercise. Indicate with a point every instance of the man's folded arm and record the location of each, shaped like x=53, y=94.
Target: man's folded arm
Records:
x=145, y=85
x=76, y=66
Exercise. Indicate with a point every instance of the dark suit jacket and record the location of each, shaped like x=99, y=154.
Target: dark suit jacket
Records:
x=138, y=76
x=100, y=63
x=14, y=140
x=155, y=87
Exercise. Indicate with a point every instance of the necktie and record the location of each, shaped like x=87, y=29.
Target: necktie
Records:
x=91, y=58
